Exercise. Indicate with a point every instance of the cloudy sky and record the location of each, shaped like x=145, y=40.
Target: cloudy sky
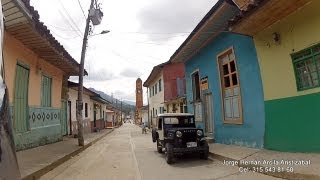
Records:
x=144, y=33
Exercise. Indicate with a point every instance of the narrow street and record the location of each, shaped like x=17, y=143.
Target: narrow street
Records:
x=127, y=154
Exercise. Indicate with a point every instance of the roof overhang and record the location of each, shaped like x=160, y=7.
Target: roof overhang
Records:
x=260, y=14
x=154, y=74
x=99, y=99
x=175, y=100
x=75, y=86
x=215, y=22
x=22, y=22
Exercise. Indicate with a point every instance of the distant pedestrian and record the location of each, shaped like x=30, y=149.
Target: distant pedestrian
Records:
x=144, y=129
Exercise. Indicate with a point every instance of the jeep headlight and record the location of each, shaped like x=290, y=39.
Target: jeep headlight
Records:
x=179, y=134
x=199, y=133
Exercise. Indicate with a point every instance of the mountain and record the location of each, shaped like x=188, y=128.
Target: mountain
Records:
x=127, y=106
x=129, y=102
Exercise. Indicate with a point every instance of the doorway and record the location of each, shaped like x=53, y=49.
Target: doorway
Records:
x=69, y=118
x=64, y=118
x=208, y=112
x=21, y=110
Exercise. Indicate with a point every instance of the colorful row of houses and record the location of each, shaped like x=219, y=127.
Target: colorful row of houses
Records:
x=252, y=72
x=36, y=71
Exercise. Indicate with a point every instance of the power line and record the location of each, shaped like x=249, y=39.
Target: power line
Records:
x=70, y=18
x=126, y=58
x=82, y=10
x=77, y=31
x=62, y=37
x=61, y=28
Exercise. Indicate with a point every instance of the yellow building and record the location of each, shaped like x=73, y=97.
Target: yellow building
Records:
x=287, y=40
x=37, y=68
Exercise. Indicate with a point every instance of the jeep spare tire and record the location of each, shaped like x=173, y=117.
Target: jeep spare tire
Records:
x=205, y=153
x=154, y=135
x=169, y=153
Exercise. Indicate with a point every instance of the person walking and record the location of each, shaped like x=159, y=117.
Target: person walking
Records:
x=144, y=130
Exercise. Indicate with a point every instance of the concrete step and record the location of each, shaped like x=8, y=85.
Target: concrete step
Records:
x=210, y=140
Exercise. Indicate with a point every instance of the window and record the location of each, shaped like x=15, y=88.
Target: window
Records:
x=168, y=108
x=156, y=112
x=196, y=86
x=160, y=124
x=230, y=88
x=150, y=92
x=46, y=91
x=171, y=120
x=86, y=109
x=153, y=115
x=161, y=110
x=306, y=65
x=160, y=88
x=156, y=88
x=100, y=111
x=174, y=108
x=181, y=107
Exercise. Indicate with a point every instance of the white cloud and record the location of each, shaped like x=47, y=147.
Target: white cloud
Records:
x=143, y=34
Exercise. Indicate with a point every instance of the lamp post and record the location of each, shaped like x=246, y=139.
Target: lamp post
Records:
x=95, y=16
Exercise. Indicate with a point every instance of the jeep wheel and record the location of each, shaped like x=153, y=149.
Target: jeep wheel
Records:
x=204, y=154
x=169, y=153
x=154, y=135
x=159, y=146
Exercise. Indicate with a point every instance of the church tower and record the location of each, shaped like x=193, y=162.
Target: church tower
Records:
x=139, y=94
x=139, y=101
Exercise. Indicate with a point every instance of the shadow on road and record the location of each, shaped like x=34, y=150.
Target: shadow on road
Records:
x=187, y=160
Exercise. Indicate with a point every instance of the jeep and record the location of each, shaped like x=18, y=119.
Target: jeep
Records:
x=176, y=133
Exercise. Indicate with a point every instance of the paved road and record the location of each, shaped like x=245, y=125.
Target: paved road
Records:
x=126, y=154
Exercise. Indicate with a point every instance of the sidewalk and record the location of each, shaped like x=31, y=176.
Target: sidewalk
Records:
x=249, y=157
x=35, y=162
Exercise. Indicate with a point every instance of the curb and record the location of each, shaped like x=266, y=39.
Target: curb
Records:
x=46, y=169
x=283, y=175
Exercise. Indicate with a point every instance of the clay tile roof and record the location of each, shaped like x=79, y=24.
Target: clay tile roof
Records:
x=249, y=8
x=33, y=17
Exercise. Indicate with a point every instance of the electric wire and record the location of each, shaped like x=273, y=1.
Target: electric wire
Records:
x=66, y=20
x=70, y=18
x=82, y=10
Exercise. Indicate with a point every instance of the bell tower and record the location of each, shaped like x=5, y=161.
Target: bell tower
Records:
x=139, y=94
x=139, y=101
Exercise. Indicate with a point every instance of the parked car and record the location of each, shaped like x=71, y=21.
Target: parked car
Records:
x=176, y=133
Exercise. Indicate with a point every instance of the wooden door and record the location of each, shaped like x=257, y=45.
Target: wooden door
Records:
x=64, y=117
x=208, y=111
x=21, y=110
x=69, y=117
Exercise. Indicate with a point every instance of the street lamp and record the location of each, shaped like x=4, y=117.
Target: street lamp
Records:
x=102, y=32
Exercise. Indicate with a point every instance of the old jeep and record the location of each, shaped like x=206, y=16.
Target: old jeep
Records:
x=177, y=134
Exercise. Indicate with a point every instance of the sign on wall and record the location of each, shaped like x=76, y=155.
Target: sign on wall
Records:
x=204, y=83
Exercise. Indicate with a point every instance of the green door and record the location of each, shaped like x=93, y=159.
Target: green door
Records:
x=64, y=119
x=21, y=122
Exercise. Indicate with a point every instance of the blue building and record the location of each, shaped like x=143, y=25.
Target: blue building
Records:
x=223, y=82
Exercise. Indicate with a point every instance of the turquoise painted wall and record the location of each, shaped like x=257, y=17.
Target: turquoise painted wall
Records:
x=293, y=124
x=251, y=132
x=45, y=128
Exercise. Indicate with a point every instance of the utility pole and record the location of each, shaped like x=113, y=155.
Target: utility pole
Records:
x=80, y=88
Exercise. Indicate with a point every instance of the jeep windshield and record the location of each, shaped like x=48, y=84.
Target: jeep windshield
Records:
x=179, y=121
